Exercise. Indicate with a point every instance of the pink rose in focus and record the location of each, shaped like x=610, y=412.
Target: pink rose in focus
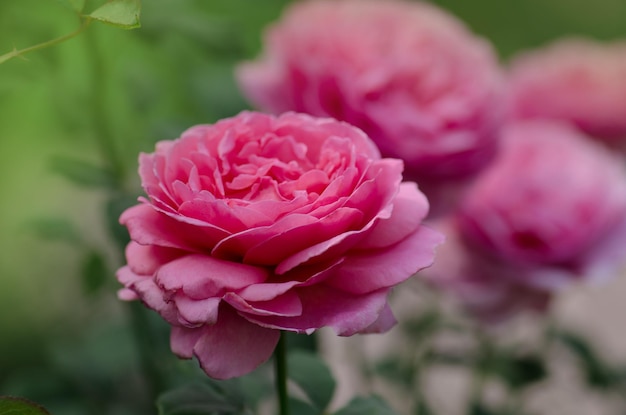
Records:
x=574, y=80
x=552, y=207
x=413, y=77
x=258, y=224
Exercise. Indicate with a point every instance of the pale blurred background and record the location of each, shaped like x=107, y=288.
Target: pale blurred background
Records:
x=152, y=83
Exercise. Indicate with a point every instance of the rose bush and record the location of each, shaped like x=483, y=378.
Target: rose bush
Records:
x=552, y=206
x=412, y=76
x=576, y=80
x=258, y=224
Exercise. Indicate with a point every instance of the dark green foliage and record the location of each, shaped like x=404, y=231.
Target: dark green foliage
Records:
x=313, y=377
x=19, y=406
x=366, y=406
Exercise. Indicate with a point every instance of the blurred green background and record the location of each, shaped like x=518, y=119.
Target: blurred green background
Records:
x=137, y=87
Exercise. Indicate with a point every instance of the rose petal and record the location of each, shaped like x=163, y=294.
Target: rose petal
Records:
x=368, y=271
x=287, y=304
x=229, y=348
x=202, y=276
x=385, y=322
x=196, y=312
x=409, y=209
x=325, y=306
x=146, y=259
x=148, y=226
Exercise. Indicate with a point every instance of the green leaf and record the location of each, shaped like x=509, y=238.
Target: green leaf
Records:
x=10, y=405
x=422, y=408
x=478, y=408
x=396, y=370
x=114, y=208
x=256, y=387
x=94, y=272
x=519, y=371
x=423, y=326
x=597, y=373
x=82, y=173
x=366, y=406
x=55, y=229
x=209, y=397
x=298, y=407
x=120, y=13
x=313, y=376
x=76, y=5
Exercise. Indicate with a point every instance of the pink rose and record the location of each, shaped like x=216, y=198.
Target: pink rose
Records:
x=575, y=80
x=258, y=224
x=552, y=207
x=413, y=77
x=489, y=290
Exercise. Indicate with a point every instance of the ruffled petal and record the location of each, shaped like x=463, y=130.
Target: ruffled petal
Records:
x=229, y=348
x=148, y=226
x=386, y=320
x=409, y=209
x=202, y=276
x=287, y=304
x=325, y=306
x=366, y=271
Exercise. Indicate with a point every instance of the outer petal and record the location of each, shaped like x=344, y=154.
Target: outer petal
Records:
x=409, y=209
x=369, y=271
x=231, y=347
x=287, y=304
x=150, y=294
x=385, y=322
x=202, y=276
x=147, y=226
x=325, y=306
x=146, y=259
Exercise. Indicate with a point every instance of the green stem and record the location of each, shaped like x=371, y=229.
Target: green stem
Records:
x=102, y=128
x=146, y=344
x=483, y=361
x=280, y=366
x=15, y=52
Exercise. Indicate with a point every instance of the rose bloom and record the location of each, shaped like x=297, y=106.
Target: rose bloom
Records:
x=258, y=224
x=490, y=291
x=552, y=207
x=575, y=80
x=412, y=76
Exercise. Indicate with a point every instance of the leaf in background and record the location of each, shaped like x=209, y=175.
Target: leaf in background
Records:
x=55, y=229
x=209, y=397
x=366, y=406
x=477, y=408
x=395, y=369
x=94, y=272
x=17, y=406
x=114, y=208
x=423, y=326
x=256, y=386
x=76, y=5
x=597, y=373
x=120, y=13
x=313, y=376
x=82, y=173
x=519, y=371
x=298, y=407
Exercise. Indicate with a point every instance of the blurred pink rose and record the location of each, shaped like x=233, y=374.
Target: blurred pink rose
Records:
x=413, y=77
x=575, y=80
x=258, y=224
x=489, y=290
x=552, y=207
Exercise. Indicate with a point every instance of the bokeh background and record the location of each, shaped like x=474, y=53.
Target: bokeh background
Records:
x=133, y=88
